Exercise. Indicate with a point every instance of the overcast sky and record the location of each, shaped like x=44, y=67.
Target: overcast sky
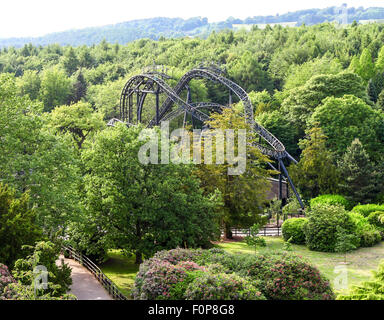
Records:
x=24, y=18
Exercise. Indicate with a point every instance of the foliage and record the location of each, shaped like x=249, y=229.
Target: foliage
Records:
x=244, y=193
x=331, y=199
x=293, y=230
x=78, y=119
x=367, y=233
x=315, y=173
x=286, y=276
x=44, y=254
x=5, y=280
x=345, y=241
x=144, y=208
x=368, y=290
x=347, y=118
x=360, y=179
x=253, y=239
x=222, y=287
x=321, y=229
x=17, y=225
x=32, y=158
x=229, y=276
x=376, y=219
x=367, y=209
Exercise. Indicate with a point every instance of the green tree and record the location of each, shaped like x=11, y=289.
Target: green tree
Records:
x=78, y=119
x=32, y=158
x=144, y=208
x=367, y=68
x=360, y=181
x=44, y=253
x=346, y=118
x=244, y=195
x=315, y=173
x=345, y=242
x=29, y=84
x=70, y=61
x=55, y=88
x=379, y=65
x=17, y=225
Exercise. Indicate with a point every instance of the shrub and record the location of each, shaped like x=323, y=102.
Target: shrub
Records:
x=376, y=219
x=222, y=287
x=367, y=209
x=294, y=228
x=285, y=276
x=330, y=199
x=5, y=279
x=177, y=255
x=321, y=229
x=368, y=290
x=160, y=279
x=367, y=233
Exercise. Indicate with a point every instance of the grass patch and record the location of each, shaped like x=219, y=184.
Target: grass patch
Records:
x=360, y=262
x=121, y=270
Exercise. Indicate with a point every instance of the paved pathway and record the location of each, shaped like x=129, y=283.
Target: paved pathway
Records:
x=84, y=284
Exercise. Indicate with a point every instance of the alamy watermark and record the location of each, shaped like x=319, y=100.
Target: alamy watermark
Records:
x=176, y=147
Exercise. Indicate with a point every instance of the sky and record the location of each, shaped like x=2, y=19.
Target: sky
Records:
x=27, y=18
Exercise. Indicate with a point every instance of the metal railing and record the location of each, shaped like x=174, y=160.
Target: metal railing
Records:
x=95, y=270
x=273, y=227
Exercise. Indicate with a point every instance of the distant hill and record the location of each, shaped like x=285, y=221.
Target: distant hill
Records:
x=155, y=28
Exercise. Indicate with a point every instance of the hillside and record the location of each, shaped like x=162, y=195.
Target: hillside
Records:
x=155, y=28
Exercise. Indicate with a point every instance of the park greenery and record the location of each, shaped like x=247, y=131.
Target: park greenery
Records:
x=64, y=174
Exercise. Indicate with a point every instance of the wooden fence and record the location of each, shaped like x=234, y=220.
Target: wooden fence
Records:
x=95, y=270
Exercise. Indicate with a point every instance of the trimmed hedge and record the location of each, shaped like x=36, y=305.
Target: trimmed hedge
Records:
x=294, y=228
x=367, y=209
x=330, y=199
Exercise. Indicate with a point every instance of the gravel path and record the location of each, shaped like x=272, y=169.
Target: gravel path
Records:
x=84, y=284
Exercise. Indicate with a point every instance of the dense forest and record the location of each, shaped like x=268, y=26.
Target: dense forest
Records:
x=319, y=89
x=156, y=28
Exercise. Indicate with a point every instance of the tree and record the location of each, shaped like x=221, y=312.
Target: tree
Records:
x=29, y=84
x=301, y=102
x=55, y=88
x=346, y=118
x=315, y=173
x=244, y=195
x=44, y=253
x=359, y=178
x=345, y=242
x=379, y=65
x=144, y=208
x=78, y=119
x=367, y=68
x=34, y=159
x=253, y=240
x=79, y=88
x=380, y=100
x=17, y=225
x=70, y=61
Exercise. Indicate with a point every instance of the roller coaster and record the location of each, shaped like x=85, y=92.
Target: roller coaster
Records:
x=169, y=103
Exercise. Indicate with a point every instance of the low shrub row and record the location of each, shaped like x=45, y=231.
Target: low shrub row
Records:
x=319, y=231
x=216, y=275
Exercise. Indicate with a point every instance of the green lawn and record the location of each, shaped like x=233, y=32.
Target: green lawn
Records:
x=361, y=262
x=121, y=270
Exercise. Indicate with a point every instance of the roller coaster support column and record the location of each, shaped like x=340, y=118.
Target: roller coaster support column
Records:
x=157, y=105
x=282, y=166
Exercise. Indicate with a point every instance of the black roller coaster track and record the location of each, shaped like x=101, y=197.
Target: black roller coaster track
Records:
x=154, y=83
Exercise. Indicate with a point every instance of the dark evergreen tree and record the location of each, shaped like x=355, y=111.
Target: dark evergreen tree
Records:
x=358, y=174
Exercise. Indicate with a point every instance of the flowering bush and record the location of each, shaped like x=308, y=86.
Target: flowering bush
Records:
x=160, y=280
x=288, y=277
x=5, y=279
x=175, y=256
x=222, y=287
